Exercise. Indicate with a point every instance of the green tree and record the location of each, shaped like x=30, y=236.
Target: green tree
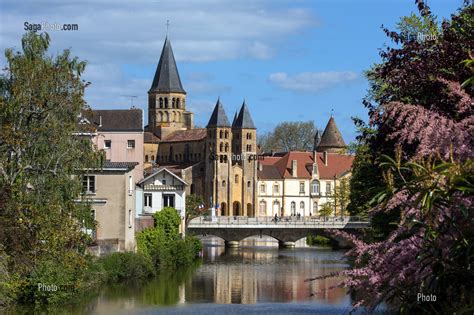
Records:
x=41, y=97
x=289, y=136
x=327, y=209
x=341, y=195
x=194, y=207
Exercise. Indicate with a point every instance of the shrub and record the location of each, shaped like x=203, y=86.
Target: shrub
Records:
x=127, y=266
x=317, y=240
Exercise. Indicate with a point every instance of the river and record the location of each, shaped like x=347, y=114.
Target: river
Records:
x=257, y=278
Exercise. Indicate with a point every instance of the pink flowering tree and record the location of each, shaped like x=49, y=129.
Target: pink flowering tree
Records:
x=421, y=140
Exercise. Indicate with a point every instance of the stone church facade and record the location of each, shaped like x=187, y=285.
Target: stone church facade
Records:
x=220, y=162
x=216, y=160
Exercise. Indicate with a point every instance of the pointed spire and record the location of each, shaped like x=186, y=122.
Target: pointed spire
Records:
x=218, y=117
x=235, y=119
x=166, y=78
x=244, y=120
x=331, y=138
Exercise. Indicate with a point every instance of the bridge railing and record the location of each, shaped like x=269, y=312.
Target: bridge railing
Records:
x=280, y=221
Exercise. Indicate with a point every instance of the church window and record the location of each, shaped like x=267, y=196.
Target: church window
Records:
x=166, y=102
x=223, y=183
x=178, y=104
x=146, y=158
x=221, y=147
x=161, y=102
x=236, y=179
x=166, y=117
x=220, y=134
x=226, y=135
x=173, y=102
x=226, y=147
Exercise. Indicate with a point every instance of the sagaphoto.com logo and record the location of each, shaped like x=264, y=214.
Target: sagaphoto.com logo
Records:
x=46, y=26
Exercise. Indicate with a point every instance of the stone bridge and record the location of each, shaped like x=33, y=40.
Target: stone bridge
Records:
x=287, y=230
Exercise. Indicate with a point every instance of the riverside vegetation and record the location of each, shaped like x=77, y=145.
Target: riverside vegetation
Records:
x=42, y=239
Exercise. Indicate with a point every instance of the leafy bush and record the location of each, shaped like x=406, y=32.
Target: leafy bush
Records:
x=317, y=240
x=163, y=245
x=127, y=266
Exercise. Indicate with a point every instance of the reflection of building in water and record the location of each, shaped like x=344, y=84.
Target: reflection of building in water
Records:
x=234, y=284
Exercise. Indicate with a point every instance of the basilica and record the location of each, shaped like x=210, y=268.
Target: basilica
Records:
x=222, y=162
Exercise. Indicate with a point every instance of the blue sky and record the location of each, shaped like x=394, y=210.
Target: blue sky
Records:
x=290, y=60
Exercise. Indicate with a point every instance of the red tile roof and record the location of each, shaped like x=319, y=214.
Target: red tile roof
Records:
x=186, y=135
x=338, y=164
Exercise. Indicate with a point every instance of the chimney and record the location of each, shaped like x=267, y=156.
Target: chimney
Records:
x=325, y=158
x=294, y=168
x=260, y=166
x=100, y=120
x=314, y=172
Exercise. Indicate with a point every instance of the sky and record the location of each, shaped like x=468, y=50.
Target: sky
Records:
x=289, y=60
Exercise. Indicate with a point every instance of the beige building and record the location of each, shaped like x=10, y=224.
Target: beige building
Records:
x=217, y=161
x=111, y=191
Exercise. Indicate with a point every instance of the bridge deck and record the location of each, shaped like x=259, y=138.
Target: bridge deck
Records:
x=236, y=222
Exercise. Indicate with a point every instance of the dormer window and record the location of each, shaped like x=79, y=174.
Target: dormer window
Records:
x=107, y=144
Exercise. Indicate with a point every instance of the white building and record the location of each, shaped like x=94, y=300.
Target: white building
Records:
x=293, y=183
x=159, y=190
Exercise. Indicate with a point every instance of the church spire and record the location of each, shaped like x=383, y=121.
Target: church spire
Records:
x=166, y=78
x=218, y=117
x=244, y=120
x=331, y=139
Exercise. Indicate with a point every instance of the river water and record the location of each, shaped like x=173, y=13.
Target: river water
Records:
x=257, y=278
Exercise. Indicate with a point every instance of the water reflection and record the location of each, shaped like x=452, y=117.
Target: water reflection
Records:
x=258, y=276
x=261, y=274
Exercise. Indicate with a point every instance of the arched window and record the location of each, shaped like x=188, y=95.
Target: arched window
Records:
x=153, y=159
x=249, y=184
x=236, y=179
x=302, y=206
x=161, y=102
x=160, y=116
x=221, y=147
x=221, y=133
x=146, y=158
x=263, y=188
x=315, y=208
x=226, y=135
x=166, y=102
x=178, y=103
x=262, y=208
x=293, y=208
x=223, y=183
x=173, y=103
x=166, y=117
x=315, y=187
x=226, y=147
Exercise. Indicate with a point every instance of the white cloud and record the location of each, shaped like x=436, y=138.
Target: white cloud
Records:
x=312, y=81
x=124, y=31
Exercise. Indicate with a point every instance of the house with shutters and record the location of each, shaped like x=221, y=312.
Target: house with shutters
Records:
x=292, y=183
